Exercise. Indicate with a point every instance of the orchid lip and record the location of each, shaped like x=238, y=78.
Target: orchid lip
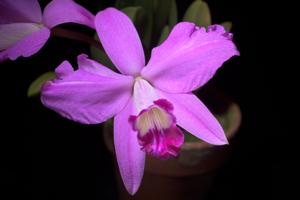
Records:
x=151, y=119
x=158, y=134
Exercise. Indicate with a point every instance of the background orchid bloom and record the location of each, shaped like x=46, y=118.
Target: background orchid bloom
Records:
x=147, y=102
x=24, y=29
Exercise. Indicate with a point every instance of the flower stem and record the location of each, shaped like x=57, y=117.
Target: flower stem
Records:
x=73, y=35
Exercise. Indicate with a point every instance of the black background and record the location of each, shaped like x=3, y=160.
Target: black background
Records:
x=44, y=156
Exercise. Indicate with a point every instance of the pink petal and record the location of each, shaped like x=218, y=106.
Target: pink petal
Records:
x=95, y=68
x=12, y=33
x=189, y=57
x=193, y=116
x=27, y=46
x=12, y=11
x=130, y=157
x=65, y=11
x=63, y=70
x=120, y=41
x=84, y=96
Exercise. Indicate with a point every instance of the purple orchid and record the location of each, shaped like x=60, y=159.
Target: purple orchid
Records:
x=146, y=101
x=24, y=29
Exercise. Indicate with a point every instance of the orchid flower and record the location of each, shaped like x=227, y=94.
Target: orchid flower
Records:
x=146, y=101
x=24, y=29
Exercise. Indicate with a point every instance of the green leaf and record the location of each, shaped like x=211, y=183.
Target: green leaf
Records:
x=101, y=56
x=147, y=31
x=161, y=16
x=173, y=16
x=124, y=3
x=35, y=86
x=146, y=26
x=198, y=13
x=164, y=34
x=227, y=25
x=128, y=3
x=132, y=12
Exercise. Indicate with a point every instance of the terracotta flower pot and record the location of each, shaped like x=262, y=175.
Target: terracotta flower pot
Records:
x=190, y=174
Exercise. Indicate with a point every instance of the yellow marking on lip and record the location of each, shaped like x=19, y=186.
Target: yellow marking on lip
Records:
x=155, y=118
